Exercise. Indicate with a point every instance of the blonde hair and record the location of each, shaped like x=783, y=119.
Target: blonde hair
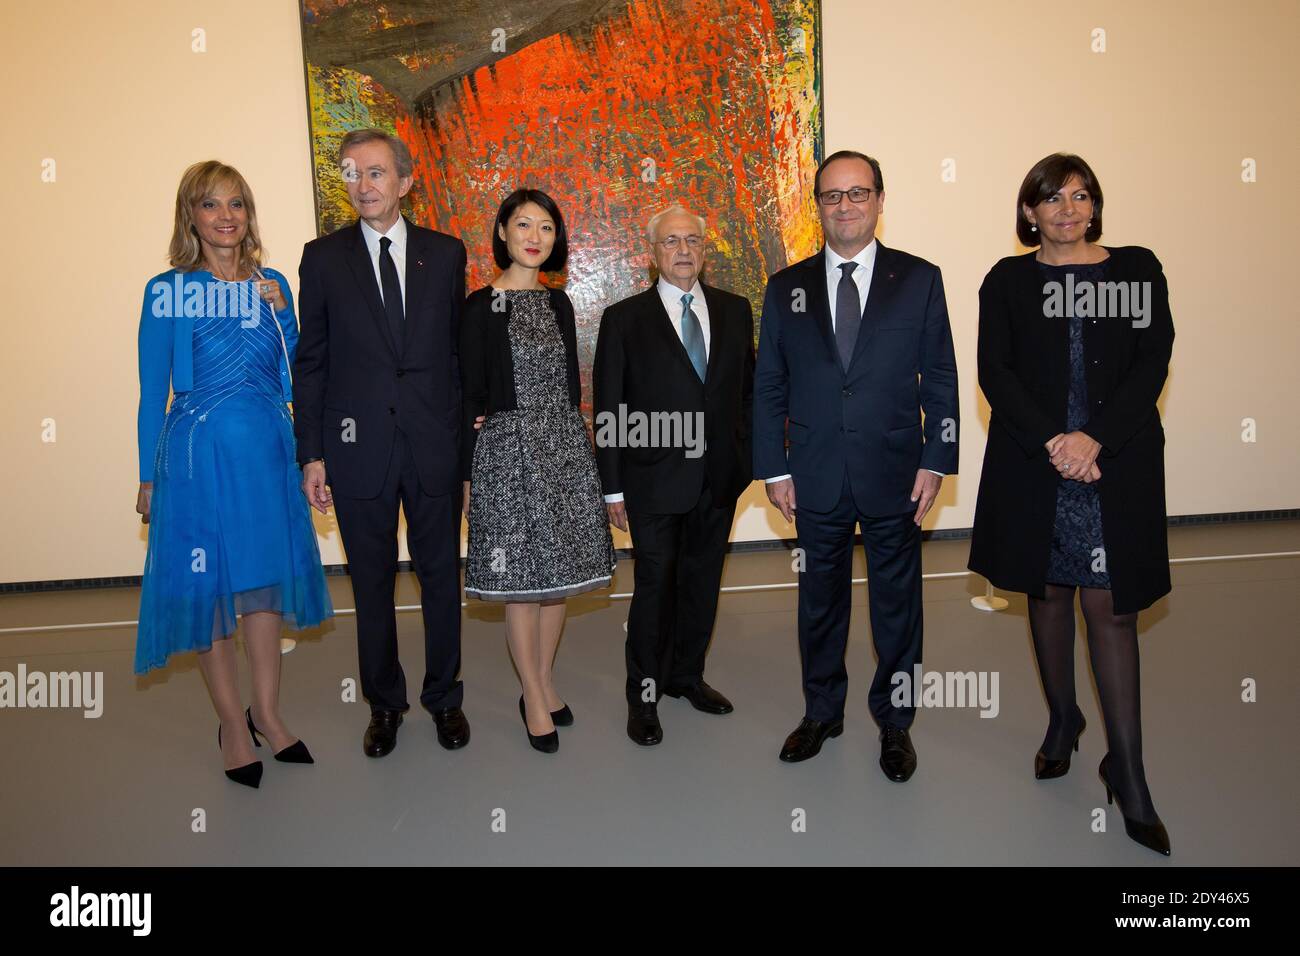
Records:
x=199, y=182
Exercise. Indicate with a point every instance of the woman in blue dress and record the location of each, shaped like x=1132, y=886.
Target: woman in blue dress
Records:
x=229, y=530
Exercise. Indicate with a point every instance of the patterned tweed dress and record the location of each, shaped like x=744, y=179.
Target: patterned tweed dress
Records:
x=537, y=523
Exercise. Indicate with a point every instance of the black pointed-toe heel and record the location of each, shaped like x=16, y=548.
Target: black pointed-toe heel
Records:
x=546, y=743
x=562, y=717
x=296, y=752
x=250, y=774
x=1045, y=769
x=1153, y=836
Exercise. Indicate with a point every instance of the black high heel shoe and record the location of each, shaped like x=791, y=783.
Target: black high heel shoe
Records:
x=1045, y=769
x=296, y=752
x=1153, y=836
x=562, y=717
x=546, y=743
x=250, y=774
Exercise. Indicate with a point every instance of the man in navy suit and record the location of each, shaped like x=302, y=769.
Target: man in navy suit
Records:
x=377, y=407
x=853, y=349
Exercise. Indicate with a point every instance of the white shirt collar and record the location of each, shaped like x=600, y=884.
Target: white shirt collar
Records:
x=866, y=258
x=671, y=294
x=396, y=232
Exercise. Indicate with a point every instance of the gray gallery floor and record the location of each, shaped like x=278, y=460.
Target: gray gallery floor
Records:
x=123, y=788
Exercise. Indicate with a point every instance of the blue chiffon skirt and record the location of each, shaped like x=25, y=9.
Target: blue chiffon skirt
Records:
x=229, y=529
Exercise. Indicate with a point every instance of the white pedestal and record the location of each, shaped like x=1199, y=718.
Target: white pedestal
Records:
x=988, y=601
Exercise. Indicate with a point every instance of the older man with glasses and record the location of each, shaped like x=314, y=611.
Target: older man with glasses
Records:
x=675, y=365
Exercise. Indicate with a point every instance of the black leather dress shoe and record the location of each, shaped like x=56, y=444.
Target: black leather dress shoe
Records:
x=897, y=755
x=453, y=727
x=702, y=697
x=806, y=740
x=381, y=735
x=643, y=725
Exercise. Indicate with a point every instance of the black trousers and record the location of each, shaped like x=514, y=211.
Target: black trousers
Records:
x=678, y=572
x=369, y=529
x=893, y=548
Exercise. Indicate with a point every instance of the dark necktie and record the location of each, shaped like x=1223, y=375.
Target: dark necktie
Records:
x=392, y=292
x=693, y=337
x=848, y=314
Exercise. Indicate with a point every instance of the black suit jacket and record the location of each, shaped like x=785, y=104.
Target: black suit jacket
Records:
x=867, y=419
x=1024, y=373
x=642, y=365
x=352, y=386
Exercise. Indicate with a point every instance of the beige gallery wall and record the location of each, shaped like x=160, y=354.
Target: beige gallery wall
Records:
x=1182, y=95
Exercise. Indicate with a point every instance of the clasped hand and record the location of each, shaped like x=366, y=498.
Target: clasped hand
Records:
x=1074, y=456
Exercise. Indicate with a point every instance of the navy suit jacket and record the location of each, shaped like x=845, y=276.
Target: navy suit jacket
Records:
x=867, y=420
x=354, y=387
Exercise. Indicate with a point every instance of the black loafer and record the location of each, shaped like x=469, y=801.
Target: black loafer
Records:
x=643, y=725
x=806, y=740
x=381, y=735
x=702, y=697
x=897, y=755
x=453, y=727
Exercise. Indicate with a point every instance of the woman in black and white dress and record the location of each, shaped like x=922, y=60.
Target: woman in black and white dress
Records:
x=538, y=531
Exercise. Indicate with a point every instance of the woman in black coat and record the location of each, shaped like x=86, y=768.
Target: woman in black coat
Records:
x=1074, y=346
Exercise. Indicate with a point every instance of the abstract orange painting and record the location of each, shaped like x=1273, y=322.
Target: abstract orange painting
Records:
x=617, y=108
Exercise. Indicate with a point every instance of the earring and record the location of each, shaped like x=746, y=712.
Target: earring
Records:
x=1033, y=227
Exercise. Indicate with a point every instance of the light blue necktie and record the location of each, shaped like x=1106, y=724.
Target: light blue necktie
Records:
x=693, y=337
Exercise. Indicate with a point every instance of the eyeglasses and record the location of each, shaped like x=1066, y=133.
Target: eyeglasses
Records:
x=672, y=242
x=832, y=197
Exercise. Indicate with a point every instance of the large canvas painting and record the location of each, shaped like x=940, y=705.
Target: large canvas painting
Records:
x=616, y=108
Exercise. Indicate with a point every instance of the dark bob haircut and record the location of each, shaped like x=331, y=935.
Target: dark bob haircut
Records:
x=559, y=252
x=1046, y=179
x=848, y=154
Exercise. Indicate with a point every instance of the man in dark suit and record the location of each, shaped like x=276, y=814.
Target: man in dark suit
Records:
x=676, y=361
x=377, y=403
x=845, y=336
